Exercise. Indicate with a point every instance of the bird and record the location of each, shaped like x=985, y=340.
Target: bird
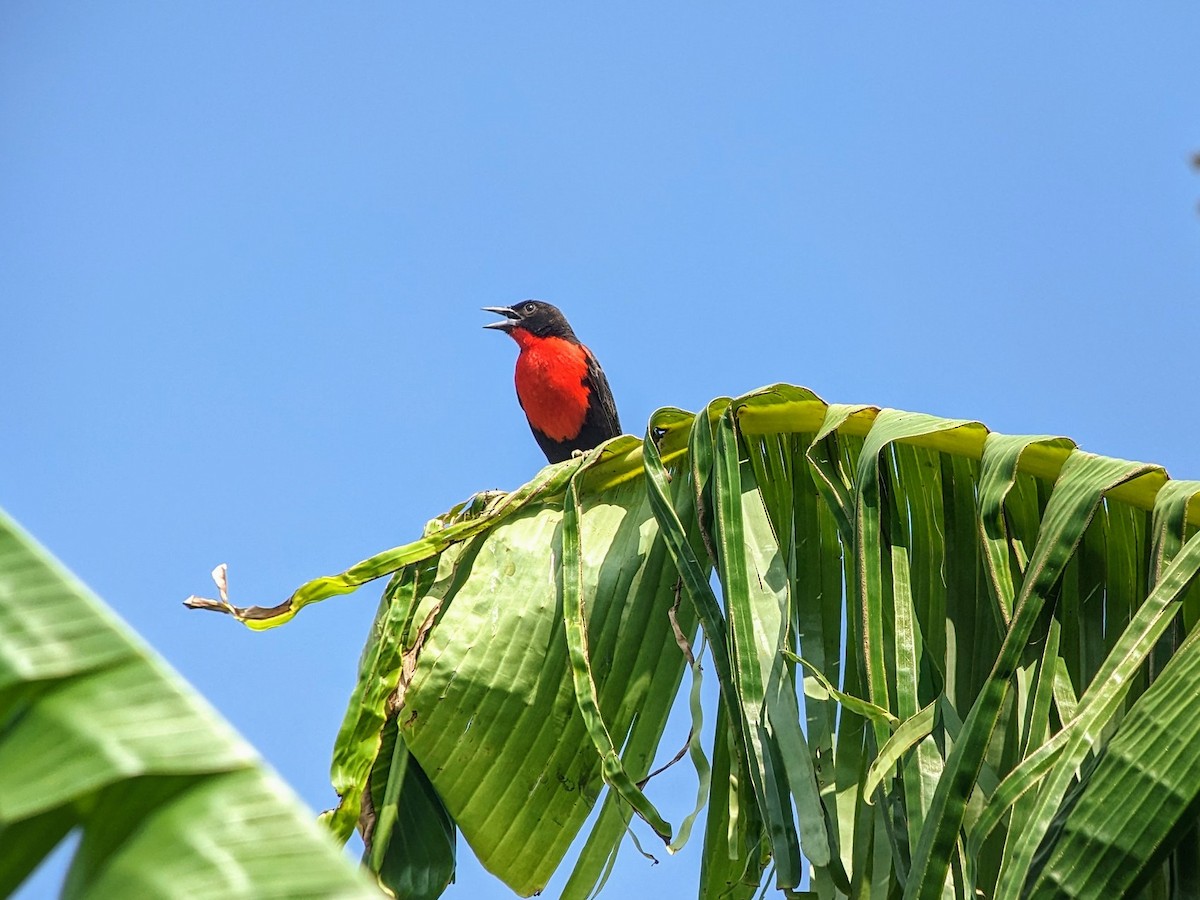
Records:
x=560, y=385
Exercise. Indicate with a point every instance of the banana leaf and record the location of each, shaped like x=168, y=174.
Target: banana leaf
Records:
x=99, y=736
x=926, y=638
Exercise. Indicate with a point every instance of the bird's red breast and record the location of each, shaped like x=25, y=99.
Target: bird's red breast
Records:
x=550, y=384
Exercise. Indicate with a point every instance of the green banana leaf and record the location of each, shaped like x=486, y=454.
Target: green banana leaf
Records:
x=936, y=649
x=99, y=736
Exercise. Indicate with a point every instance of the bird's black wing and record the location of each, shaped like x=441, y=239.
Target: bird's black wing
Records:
x=602, y=420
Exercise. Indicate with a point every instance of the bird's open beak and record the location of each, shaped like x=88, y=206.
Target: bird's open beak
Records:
x=511, y=317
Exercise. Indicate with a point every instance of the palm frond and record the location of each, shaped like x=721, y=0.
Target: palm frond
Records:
x=936, y=648
x=99, y=736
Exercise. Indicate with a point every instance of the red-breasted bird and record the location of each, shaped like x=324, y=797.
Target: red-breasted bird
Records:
x=560, y=385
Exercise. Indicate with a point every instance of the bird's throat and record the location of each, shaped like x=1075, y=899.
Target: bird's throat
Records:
x=551, y=374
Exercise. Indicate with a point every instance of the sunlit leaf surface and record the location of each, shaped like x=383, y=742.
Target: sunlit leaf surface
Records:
x=98, y=735
x=946, y=659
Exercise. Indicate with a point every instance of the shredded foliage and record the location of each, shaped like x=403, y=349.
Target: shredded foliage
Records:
x=927, y=639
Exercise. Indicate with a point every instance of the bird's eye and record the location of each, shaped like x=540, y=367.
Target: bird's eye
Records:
x=530, y=309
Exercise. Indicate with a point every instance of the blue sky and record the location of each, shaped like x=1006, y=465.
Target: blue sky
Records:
x=243, y=249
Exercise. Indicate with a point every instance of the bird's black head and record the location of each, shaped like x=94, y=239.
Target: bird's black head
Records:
x=538, y=318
